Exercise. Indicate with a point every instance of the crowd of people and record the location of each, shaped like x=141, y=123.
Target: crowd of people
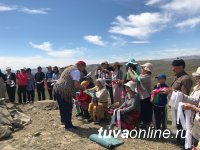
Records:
x=128, y=94
x=24, y=83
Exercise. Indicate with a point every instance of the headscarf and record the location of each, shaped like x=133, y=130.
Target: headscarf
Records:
x=102, y=81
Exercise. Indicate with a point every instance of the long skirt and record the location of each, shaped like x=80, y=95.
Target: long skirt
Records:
x=129, y=120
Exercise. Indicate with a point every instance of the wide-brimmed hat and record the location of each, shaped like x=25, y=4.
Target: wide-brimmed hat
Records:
x=147, y=67
x=62, y=67
x=197, y=73
x=117, y=64
x=132, y=85
x=8, y=68
x=102, y=81
x=23, y=68
x=132, y=61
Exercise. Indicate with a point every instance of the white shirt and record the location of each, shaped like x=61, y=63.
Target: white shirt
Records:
x=76, y=75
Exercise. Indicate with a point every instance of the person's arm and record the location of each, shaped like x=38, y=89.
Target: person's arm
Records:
x=188, y=106
x=94, y=89
x=14, y=77
x=191, y=99
x=43, y=76
x=75, y=74
x=131, y=74
x=123, y=105
x=131, y=107
x=186, y=86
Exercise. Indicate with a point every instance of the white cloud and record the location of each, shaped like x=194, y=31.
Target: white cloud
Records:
x=153, y=2
x=7, y=8
x=95, y=39
x=140, y=42
x=66, y=53
x=42, y=11
x=45, y=46
x=139, y=26
x=183, y=6
x=118, y=40
x=191, y=23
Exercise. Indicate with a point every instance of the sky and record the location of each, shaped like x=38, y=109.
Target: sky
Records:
x=61, y=32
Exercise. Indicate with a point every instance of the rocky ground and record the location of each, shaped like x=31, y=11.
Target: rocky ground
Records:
x=46, y=133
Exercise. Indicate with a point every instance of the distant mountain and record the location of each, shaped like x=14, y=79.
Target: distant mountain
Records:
x=192, y=57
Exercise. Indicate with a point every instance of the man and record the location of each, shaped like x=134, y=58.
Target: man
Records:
x=49, y=76
x=107, y=75
x=22, y=80
x=40, y=78
x=65, y=88
x=10, y=84
x=183, y=83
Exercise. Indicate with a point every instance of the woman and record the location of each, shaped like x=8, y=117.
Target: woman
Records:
x=144, y=90
x=30, y=86
x=130, y=109
x=2, y=85
x=56, y=74
x=117, y=76
x=192, y=102
x=10, y=84
x=98, y=72
x=96, y=108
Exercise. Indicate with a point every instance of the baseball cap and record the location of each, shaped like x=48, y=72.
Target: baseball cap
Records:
x=161, y=76
x=81, y=63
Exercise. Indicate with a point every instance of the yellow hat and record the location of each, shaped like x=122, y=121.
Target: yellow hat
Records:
x=85, y=83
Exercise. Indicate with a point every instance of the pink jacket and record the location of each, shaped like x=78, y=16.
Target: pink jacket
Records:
x=22, y=78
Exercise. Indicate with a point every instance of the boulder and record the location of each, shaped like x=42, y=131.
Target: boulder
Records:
x=5, y=132
x=11, y=119
x=46, y=105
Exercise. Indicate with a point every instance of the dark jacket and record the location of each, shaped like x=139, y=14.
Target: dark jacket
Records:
x=183, y=83
x=162, y=98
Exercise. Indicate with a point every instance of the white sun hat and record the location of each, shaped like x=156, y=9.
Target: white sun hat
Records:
x=132, y=85
x=197, y=73
x=147, y=67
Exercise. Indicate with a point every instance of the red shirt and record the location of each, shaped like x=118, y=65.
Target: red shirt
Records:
x=22, y=78
x=84, y=97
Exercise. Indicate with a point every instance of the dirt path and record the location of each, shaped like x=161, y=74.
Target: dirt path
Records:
x=46, y=133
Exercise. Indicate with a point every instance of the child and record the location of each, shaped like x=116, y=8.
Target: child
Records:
x=159, y=101
x=96, y=108
x=84, y=100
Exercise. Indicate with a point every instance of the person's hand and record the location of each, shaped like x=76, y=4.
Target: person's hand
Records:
x=130, y=70
x=187, y=106
x=168, y=91
x=194, y=148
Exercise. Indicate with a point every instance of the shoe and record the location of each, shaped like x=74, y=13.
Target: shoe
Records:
x=72, y=128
